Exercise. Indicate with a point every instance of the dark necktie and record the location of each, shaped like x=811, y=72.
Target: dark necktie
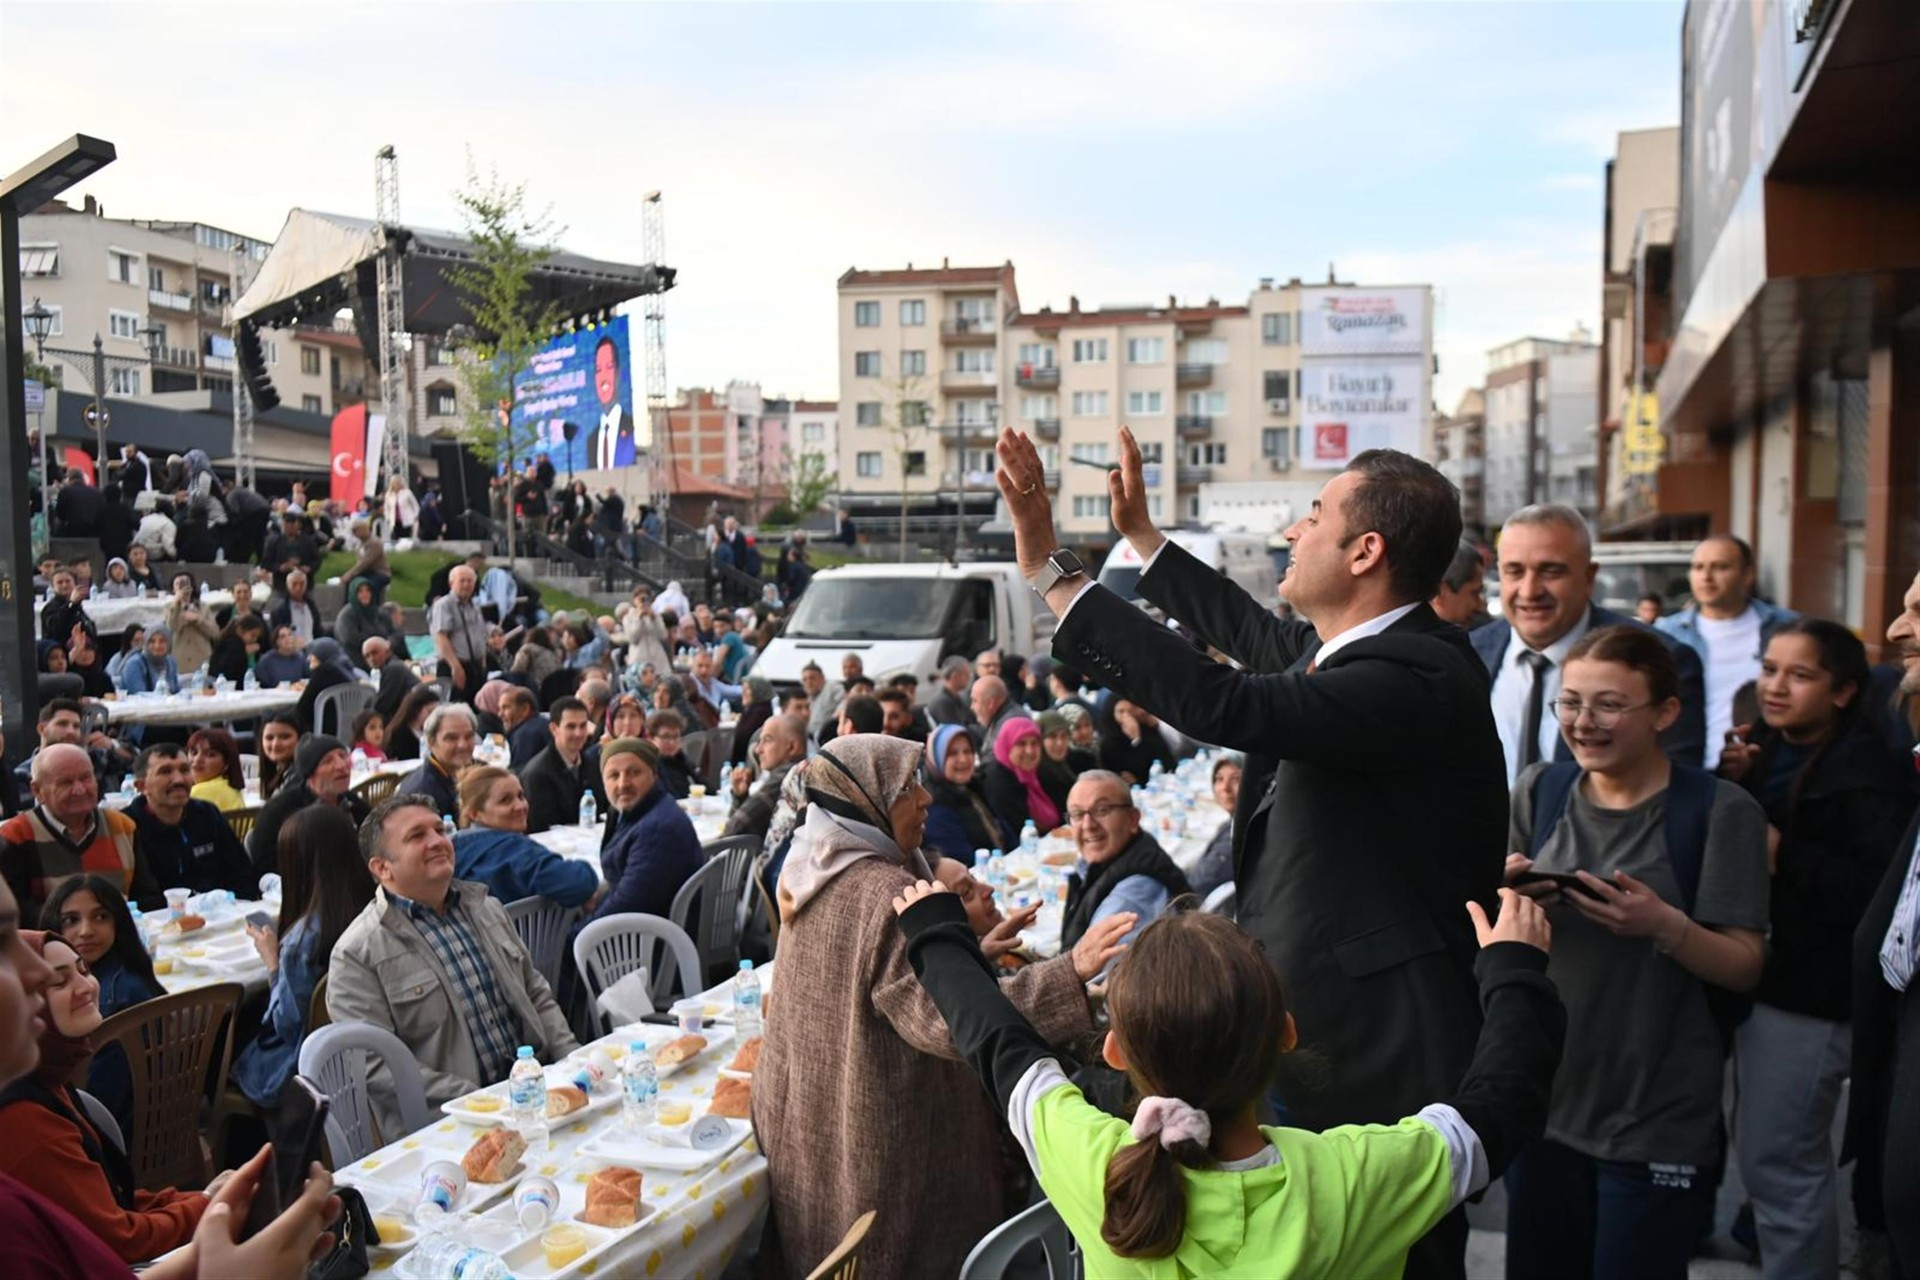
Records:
x=1536, y=705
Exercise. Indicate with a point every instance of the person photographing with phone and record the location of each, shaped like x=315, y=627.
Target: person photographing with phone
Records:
x=1662, y=921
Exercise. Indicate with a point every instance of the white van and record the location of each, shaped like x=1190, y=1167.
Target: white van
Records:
x=1242, y=557
x=906, y=618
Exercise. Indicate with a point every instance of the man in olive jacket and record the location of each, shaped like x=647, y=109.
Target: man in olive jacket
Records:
x=435, y=961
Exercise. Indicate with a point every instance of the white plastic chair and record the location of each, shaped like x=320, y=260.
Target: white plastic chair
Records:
x=611, y=947
x=335, y=1059
x=1041, y=1223
x=709, y=906
x=1221, y=901
x=102, y=1119
x=543, y=925
x=335, y=708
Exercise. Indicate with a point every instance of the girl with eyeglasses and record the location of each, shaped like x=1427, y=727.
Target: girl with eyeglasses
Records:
x=1654, y=875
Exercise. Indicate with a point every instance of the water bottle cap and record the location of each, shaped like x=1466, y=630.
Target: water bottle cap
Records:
x=526, y=1051
x=746, y=966
x=638, y=1046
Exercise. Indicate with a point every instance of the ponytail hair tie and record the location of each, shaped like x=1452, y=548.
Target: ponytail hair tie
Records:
x=1173, y=1120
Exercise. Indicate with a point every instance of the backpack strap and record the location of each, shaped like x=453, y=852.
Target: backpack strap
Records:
x=1552, y=788
x=1689, y=811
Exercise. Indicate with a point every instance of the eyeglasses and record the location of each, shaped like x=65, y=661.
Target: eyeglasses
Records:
x=1099, y=812
x=1605, y=715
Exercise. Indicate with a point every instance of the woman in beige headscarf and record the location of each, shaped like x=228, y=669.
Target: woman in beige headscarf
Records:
x=860, y=1101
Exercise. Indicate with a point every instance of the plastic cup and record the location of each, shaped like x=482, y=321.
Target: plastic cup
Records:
x=177, y=902
x=696, y=792
x=692, y=1017
x=563, y=1244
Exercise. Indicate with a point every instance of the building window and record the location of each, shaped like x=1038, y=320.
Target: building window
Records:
x=156, y=279
x=1032, y=407
x=1146, y=350
x=867, y=413
x=1206, y=351
x=973, y=360
x=1206, y=455
x=1207, y=404
x=866, y=465
x=41, y=260
x=1152, y=453
x=123, y=324
x=912, y=363
x=866, y=315
x=123, y=382
x=1037, y=355
x=978, y=461
x=310, y=361
x=1050, y=458
x=1089, y=404
x=913, y=311
x=1279, y=385
x=813, y=433
x=866, y=364
x=1193, y=506
x=1273, y=442
x=1089, y=350
x=441, y=402
x=439, y=352
x=310, y=404
x=1094, y=451
x=57, y=325
x=973, y=312
x=916, y=462
x=914, y=413
x=268, y=347
x=1086, y=507
x=1153, y=505
x=1145, y=403
x=1276, y=330
x=123, y=268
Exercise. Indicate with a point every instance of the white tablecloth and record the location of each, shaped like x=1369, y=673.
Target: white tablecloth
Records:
x=582, y=844
x=200, y=708
x=698, y=1218
x=222, y=952
x=112, y=616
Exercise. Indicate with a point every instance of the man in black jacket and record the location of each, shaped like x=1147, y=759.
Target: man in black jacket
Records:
x=1376, y=802
x=555, y=779
x=188, y=843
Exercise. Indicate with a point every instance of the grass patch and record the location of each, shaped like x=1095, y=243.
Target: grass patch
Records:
x=413, y=570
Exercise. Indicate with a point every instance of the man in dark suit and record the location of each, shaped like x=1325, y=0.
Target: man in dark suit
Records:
x=1884, y=1114
x=555, y=779
x=1546, y=568
x=1385, y=811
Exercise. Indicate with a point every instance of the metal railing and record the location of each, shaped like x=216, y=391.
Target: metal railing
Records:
x=1193, y=424
x=172, y=301
x=1035, y=375
x=1046, y=428
x=967, y=327
x=1190, y=374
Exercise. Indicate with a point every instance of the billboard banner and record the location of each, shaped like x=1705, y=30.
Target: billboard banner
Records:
x=1363, y=322
x=575, y=403
x=1349, y=406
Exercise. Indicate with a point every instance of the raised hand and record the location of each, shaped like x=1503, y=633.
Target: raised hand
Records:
x=1127, y=487
x=1022, y=482
x=1101, y=943
x=1005, y=936
x=914, y=892
x=1521, y=920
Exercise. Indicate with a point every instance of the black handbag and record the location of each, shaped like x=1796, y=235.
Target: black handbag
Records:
x=351, y=1236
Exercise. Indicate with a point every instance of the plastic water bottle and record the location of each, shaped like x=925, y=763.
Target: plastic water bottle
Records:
x=252, y=683
x=589, y=811
x=1153, y=777
x=163, y=687
x=746, y=1001
x=527, y=1095
x=997, y=873
x=447, y=825
x=140, y=927
x=981, y=859
x=639, y=1087
x=359, y=761
x=453, y=1259
x=203, y=679
x=1029, y=838
x=127, y=790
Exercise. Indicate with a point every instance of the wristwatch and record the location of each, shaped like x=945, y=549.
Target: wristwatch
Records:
x=1060, y=566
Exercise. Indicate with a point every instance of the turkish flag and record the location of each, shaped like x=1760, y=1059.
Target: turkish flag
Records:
x=349, y=454
x=81, y=460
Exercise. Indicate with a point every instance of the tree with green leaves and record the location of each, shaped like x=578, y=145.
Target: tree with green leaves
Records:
x=506, y=324
x=810, y=484
x=909, y=421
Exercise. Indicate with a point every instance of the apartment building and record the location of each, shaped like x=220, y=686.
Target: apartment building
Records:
x=1460, y=451
x=1637, y=230
x=1541, y=441
x=1283, y=388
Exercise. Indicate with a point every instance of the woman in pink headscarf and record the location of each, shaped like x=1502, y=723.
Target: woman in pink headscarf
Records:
x=1013, y=783
x=487, y=703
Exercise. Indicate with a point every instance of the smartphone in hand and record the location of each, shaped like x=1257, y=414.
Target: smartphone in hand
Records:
x=1563, y=881
x=259, y=919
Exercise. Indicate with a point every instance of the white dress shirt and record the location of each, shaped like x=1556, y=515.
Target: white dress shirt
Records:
x=1513, y=687
x=609, y=436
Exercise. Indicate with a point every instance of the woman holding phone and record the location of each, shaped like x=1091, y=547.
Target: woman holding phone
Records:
x=1670, y=866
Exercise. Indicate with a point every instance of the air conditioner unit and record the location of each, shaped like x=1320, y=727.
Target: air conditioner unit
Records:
x=1280, y=462
x=1276, y=406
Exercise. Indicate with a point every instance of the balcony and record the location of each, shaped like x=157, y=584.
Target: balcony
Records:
x=1045, y=428
x=968, y=331
x=216, y=362
x=956, y=382
x=169, y=301
x=177, y=357
x=214, y=308
x=972, y=432
x=1193, y=375
x=1193, y=426
x=1188, y=476
x=1051, y=479
x=1042, y=377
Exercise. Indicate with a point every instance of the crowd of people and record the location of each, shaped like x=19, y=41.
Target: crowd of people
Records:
x=1505, y=897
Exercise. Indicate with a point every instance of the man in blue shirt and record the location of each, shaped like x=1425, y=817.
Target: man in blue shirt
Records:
x=1121, y=867
x=704, y=684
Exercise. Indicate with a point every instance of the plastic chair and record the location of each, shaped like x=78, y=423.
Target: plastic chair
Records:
x=175, y=1047
x=317, y=1015
x=335, y=708
x=93, y=717
x=765, y=891
x=844, y=1262
x=1040, y=1223
x=612, y=947
x=377, y=788
x=242, y=820
x=708, y=905
x=1221, y=901
x=543, y=925
x=102, y=1118
x=335, y=1059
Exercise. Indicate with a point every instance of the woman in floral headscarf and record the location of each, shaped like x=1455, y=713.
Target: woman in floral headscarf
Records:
x=858, y=1079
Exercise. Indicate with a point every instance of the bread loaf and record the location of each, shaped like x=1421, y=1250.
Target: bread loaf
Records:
x=565, y=1100
x=493, y=1155
x=747, y=1058
x=613, y=1197
x=732, y=1099
x=675, y=1052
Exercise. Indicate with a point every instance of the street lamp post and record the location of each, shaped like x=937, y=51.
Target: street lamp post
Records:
x=22, y=192
x=39, y=324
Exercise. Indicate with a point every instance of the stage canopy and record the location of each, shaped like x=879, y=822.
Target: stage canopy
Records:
x=323, y=262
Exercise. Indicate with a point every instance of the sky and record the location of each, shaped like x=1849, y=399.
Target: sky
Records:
x=1118, y=152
